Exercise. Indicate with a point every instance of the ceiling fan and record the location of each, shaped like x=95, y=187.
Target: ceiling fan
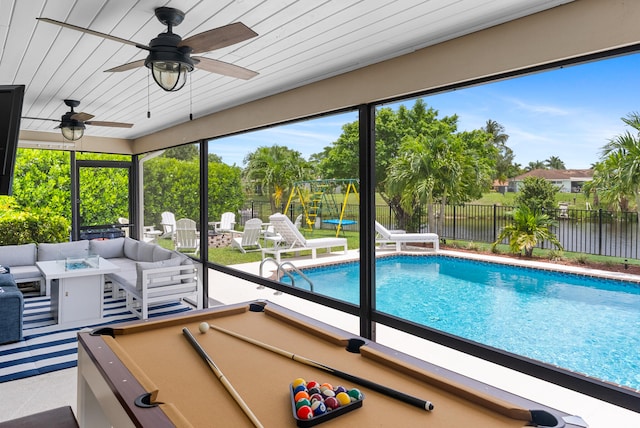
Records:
x=170, y=57
x=73, y=124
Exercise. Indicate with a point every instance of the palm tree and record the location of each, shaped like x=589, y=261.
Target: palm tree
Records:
x=425, y=165
x=554, y=162
x=528, y=228
x=607, y=186
x=497, y=132
x=504, y=156
x=623, y=156
x=439, y=168
x=535, y=165
x=276, y=168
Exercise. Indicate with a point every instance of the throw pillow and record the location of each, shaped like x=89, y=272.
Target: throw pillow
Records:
x=108, y=248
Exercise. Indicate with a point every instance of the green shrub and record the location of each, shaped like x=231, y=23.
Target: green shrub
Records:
x=22, y=227
x=582, y=259
x=472, y=246
x=555, y=255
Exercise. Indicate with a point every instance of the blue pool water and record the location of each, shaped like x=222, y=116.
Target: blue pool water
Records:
x=584, y=324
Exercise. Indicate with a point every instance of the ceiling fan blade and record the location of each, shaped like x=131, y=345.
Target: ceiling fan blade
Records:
x=218, y=37
x=80, y=116
x=41, y=118
x=95, y=33
x=224, y=68
x=110, y=124
x=128, y=66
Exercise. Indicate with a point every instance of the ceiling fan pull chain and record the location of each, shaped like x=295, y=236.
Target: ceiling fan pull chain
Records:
x=190, y=97
x=148, y=95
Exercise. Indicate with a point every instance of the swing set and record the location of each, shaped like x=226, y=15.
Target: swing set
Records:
x=319, y=200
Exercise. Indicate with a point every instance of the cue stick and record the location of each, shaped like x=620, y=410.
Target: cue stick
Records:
x=222, y=378
x=414, y=401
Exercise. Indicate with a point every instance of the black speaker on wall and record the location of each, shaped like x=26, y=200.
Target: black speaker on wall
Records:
x=11, y=97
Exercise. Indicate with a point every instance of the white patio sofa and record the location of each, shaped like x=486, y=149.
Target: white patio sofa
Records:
x=149, y=274
x=21, y=259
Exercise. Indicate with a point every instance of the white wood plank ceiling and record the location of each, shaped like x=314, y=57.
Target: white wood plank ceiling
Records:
x=299, y=41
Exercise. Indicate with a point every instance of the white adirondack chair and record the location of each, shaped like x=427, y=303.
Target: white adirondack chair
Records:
x=226, y=224
x=187, y=237
x=168, y=224
x=249, y=240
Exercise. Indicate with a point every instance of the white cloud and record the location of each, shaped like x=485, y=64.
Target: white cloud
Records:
x=547, y=109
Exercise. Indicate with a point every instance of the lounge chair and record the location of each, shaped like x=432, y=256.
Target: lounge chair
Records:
x=250, y=238
x=401, y=238
x=293, y=241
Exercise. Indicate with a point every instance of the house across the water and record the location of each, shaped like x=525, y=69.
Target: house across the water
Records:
x=567, y=180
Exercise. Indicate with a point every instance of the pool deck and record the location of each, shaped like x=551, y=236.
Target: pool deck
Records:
x=30, y=395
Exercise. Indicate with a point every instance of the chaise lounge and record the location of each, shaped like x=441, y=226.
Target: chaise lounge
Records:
x=400, y=238
x=293, y=241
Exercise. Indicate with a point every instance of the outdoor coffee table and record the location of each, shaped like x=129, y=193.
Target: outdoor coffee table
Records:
x=76, y=290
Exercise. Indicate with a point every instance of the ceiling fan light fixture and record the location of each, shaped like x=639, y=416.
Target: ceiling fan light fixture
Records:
x=169, y=64
x=72, y=130
x=170, y=76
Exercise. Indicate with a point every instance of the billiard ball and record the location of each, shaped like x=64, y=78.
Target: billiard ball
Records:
x=332, y=403
x=298, y=381
x=355, y=394
x=343, y=398
x=203, y=327
x=312, y=384
x=328, y=393
x=299, y=388
x=326, y=386
x=318, y=408
x=314, y=390
x=304, y=412
x=301, y=394
x=316, y=397
x=339, y=388
x=303, y=402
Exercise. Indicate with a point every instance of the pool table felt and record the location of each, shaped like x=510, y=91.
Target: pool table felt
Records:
x=162, y=360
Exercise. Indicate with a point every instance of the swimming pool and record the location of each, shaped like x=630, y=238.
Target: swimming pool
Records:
x=585, y=324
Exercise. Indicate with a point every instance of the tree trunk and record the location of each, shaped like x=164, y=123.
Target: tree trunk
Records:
x=402, y=217
x=441, y=211
x=637, y=195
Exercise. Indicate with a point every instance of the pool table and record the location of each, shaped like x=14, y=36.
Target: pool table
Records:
x=147, y=374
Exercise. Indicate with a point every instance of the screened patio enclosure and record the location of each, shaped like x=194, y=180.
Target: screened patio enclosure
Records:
x=563, y=35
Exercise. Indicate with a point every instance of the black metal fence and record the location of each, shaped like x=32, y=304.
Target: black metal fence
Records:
x=598, y=232
x=581, y=231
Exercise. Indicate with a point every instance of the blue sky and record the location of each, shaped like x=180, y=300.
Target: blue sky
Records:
x=569, y=113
